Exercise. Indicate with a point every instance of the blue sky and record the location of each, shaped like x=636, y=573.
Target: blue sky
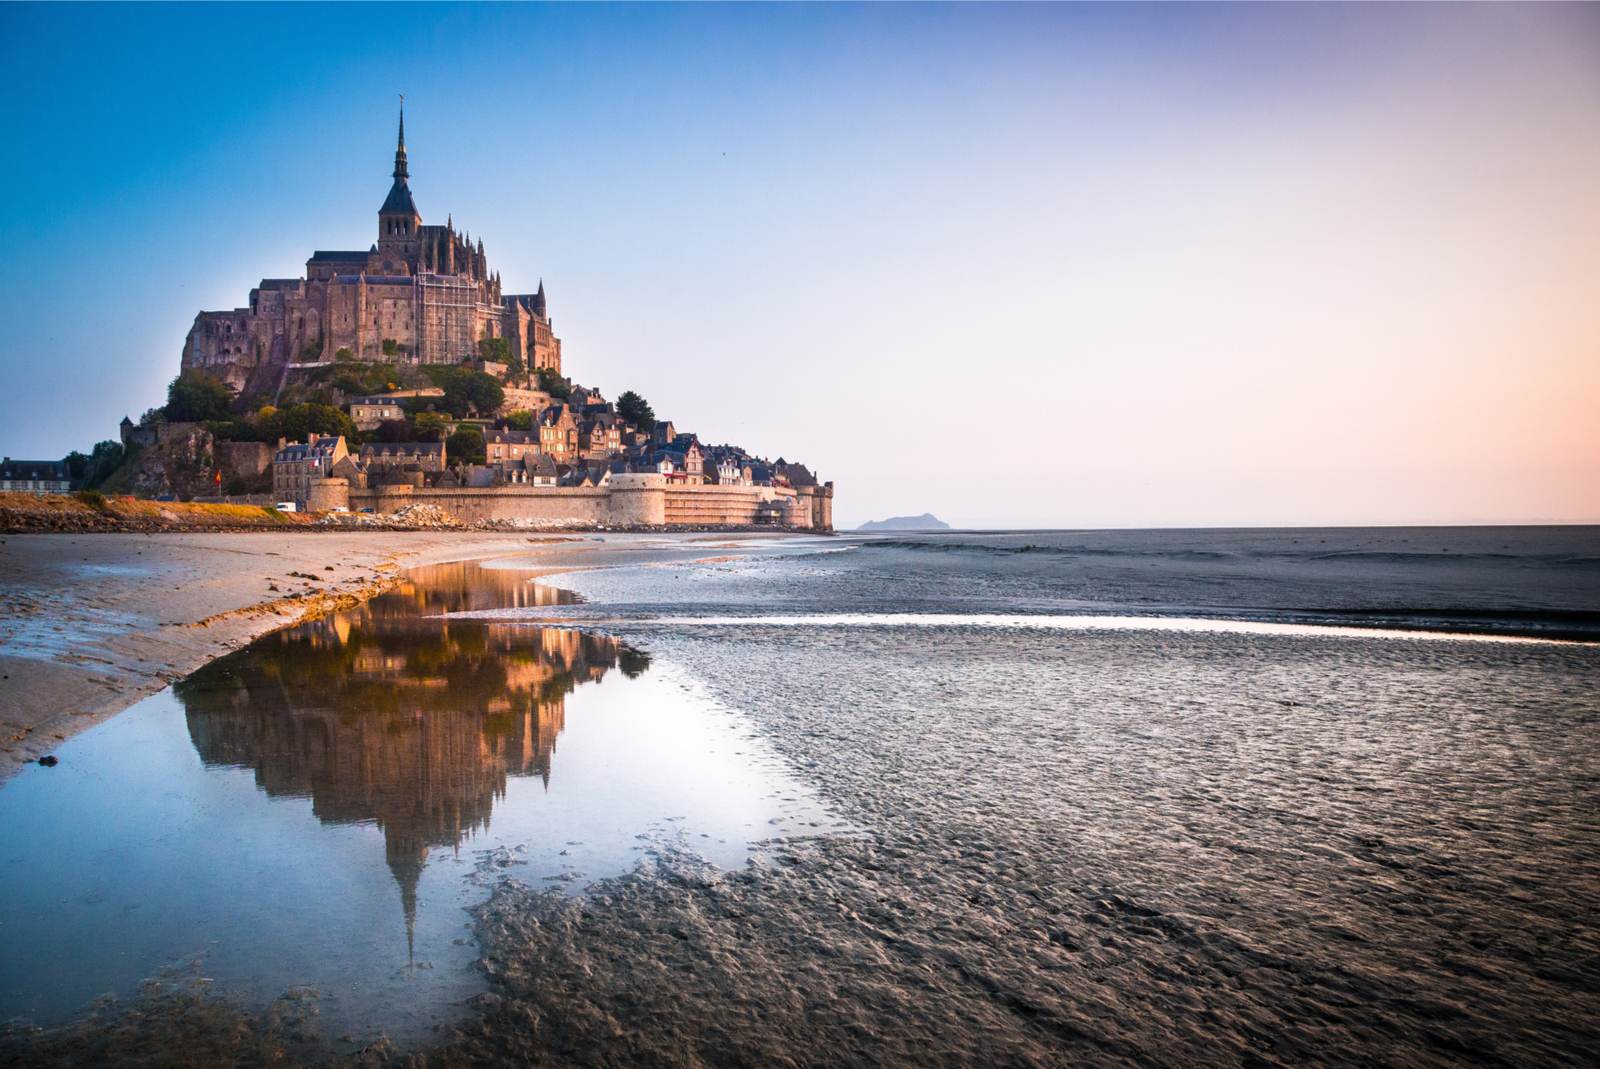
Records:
x=1036, y=265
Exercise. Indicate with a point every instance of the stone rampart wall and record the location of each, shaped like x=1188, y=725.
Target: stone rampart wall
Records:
x=549, y=504
x=716, y=505
x=644, y=500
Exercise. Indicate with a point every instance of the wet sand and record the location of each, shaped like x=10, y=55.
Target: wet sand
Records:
x=90, y=624
x=1100, y=848
x=1105, y=849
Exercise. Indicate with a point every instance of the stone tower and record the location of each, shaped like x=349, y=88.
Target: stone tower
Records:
x=399, y=223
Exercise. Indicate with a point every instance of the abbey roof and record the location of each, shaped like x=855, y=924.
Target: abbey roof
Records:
x=400, y=199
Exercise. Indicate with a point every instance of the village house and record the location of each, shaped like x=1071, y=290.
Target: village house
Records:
x=351, y=469
x=731, y=473
x=581, y=476
x=297, y=463
x=558, y=433
x=600, y=437
x=378, y=456
x=794, y=474
x=368, y=412
x=505, y=445
x=581, y=397
x=34, y=477
x=688, y=458
x=531, y=469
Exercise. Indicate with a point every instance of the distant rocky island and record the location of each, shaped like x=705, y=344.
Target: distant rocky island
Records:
x=926, y=522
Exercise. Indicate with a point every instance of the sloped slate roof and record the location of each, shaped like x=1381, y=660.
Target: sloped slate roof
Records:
x=34, y=469
x=399, y=199
x=325, y=256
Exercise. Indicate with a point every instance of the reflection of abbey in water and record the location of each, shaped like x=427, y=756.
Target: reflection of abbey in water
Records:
x=384, y=716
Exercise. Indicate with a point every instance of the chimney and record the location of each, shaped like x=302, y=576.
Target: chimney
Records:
x=282, y=442
x=311, y=438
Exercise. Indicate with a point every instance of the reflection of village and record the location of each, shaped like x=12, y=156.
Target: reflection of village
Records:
x=388, y=716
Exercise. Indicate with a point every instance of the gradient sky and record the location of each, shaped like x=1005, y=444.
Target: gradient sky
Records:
x=1050, y=266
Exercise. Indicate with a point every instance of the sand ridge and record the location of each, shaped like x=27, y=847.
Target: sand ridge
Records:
x=91, y=625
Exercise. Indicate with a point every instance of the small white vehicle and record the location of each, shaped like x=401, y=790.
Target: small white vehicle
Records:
x=288, y=506
x=338, y=508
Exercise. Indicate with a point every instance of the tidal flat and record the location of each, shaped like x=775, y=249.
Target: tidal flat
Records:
x=1128, y=845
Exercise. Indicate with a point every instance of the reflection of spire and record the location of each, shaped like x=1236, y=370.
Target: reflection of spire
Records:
x=406, y=860
x=384, y=714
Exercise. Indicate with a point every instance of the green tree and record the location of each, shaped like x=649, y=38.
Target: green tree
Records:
x=466, y=391
x=297, y=422
x=553, y=384
x=78, y=466
x=197, y=396
x=391, y=347
x=394, y=430
x=466, y=444
x=350, y=382
x=520, y=420
x=499, y=351
x=151, y=417
x=428, y=427
x=344, y=354
x=104, y=461
x=381, y=378
x=636, y=410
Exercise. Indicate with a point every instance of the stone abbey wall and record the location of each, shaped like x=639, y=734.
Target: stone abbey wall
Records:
x=424, y=287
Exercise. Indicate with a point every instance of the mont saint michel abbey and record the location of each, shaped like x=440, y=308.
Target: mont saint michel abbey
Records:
x=426, y=291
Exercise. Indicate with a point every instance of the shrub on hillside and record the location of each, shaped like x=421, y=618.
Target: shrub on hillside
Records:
x=467, y=391
x=196, y=397
x=554, y=385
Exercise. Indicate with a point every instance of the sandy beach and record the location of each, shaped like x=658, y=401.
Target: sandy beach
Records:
x=92, y=623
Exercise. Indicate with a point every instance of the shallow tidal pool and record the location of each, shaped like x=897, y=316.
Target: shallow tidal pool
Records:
x=312, y=815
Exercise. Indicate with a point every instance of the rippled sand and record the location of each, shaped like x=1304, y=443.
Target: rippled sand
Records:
x=1104, y=848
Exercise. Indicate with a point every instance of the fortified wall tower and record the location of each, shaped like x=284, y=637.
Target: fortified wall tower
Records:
x=426, y=288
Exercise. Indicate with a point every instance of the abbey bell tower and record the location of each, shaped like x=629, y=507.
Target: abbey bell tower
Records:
x=399, y=243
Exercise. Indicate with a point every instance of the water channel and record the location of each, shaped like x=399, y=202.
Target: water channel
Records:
x=313, y=814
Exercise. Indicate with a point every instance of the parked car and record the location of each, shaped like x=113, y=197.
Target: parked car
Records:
x=288, y=506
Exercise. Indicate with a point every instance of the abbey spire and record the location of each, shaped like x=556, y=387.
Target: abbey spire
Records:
x=400, y=152
x=398, y=218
